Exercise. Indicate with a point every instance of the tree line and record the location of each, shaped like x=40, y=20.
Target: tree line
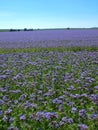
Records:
x=25, y=29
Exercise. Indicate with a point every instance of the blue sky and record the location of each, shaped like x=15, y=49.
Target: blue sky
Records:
x=48, y=13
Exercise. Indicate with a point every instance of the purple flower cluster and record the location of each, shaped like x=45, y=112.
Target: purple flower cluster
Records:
x=67, y=120
x=22, y=117
x=82, y=113
x=57, y=101
x=83, y=127
x=49, y=38
x=46, y=115
x=49, y=90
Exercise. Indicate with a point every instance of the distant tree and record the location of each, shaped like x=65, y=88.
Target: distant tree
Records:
x=30, y=29
x=25, y=29
x=68, y=28
x=12, y=30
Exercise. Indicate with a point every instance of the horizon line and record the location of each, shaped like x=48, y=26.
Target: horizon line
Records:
x=50, y=28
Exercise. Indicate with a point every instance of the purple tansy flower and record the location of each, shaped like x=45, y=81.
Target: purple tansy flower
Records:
x=57, y=101
x=15, y=101
x=8, y=103
x=33, y=105
x=66, y=93
x=47, y=115
x=8, y=111
x=5, y=98
x=1, y=112
x=31, y=95
x=1, y=102
x=12, y=128
x=31, y=116
x=71, y=88
x=84, y=95
x=91, y=109
x=96, y=87
x=61, y=123
x=71, y=103
x=94, y=98
x=64, y=119
x=73, y=110
x=83, y=127
x=94, y=116
x=11, y=120
x=53, y=115
x=22, y=97
x=2, y=90
x=61, y=97
x=5, y=118
x=38, y=115
x=18, y=76
x=77, y=81
x=22, y=117
x=56, y=125
x=60, y=107
x=15, y=91
x=7, y=87
x=72, y=96
x=77, y=95
x=70, y=120
x=46, y=94
x=27, y=105
x=40, y=92
x=3, y=77
x=82, y=113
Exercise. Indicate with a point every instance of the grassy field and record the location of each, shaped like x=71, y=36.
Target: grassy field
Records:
x=58, y=49
x=49, y=88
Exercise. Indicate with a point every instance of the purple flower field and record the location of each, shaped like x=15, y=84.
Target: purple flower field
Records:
x=49, y=89
x=49, y=38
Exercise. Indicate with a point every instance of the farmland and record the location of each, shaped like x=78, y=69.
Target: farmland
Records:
x=49, y=38
x=49, y=80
